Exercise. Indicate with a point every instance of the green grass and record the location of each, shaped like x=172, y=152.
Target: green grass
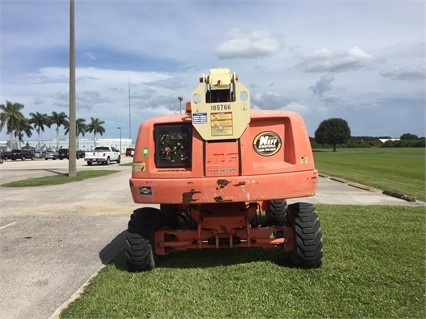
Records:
x=59, y=178
x=127, y=164
x=400, y=170
x=374, y=267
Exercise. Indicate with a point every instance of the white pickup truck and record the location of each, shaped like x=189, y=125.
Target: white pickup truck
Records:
x=103, y=154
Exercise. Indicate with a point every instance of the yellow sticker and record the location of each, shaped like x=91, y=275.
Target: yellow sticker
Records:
x=138, y=167
x=304, y=159
x=221, y=124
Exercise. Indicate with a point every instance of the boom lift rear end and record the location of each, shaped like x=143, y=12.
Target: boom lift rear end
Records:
x=222, y=173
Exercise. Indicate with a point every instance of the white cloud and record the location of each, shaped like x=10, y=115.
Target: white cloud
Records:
x=250, y=45
x=297, y=107
x=323, y=85
x=409, y=73
x=323, y=89
x=163, y=47
x=325, y=60
x=269, y=101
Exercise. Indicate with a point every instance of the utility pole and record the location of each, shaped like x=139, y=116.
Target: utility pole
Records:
x=119, y=128
x=72, y=166
x=180, y=104
x=130, y=115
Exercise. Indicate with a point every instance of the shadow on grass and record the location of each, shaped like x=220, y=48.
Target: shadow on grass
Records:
x=113, y=254
x=55, y=172
x=223, y=257
x=322, y=151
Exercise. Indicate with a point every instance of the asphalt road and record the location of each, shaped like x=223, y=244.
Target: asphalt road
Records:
x=54, y=238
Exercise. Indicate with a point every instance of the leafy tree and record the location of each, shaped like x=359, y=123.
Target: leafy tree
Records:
x=39, y=121
x=420, y=142
x=408, y=136
x=81, y=127
x=95, y=126
x=58, y=119
x=11, y=117
x=333, y=131
x=24, y=127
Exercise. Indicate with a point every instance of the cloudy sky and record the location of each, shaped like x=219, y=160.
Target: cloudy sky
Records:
x=363, y=61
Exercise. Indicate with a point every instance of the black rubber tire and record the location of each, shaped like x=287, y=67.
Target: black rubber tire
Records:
x=277, y=212
x=107, y=161
x=119, y=159
x=140, y=239
x=169, y=215
x=89, y=163
x=308, y=251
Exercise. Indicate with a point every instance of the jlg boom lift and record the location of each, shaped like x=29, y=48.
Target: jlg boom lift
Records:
x=221, y=174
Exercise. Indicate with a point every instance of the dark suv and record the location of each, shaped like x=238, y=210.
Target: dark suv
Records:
x=130, y=151
x=21, y=154
x=64, y=153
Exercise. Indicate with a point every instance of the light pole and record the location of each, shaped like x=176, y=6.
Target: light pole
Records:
x=119, y=128
x=72, y=165
x=180, y=104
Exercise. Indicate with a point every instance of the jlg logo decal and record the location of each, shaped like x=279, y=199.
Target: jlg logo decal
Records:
x=267, y=143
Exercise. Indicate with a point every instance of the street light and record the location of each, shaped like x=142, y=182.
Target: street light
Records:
x=180, y=104
x=119, y=128
x=72, y=165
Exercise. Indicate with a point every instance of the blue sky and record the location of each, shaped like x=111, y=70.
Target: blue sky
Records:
x=363, y=61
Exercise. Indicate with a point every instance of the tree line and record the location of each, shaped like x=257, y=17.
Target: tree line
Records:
x=332, y=132
x=18, y=126
x=336, y=131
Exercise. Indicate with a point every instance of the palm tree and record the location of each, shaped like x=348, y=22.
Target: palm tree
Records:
x=24, y=127
x=58, y=119
x=11, y=117
x=95, y=126
x=81, y=128
x=39, y=120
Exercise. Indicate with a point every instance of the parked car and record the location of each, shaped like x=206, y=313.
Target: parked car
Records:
x=64, y=153
x=6, y=155
x=38, y=154
x=130, y=151
x=51, y=155
x=1, y=157
x=21, y=154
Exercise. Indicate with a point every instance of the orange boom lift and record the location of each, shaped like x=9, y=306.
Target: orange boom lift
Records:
x=221, y=174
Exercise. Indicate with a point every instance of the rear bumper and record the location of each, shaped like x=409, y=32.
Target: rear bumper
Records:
x=95, y=159
x=226, y=189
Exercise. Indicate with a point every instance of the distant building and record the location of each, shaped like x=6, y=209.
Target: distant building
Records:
x=379, y=142
x=82, y=144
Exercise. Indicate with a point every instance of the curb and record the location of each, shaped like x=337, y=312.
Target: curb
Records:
x=400, y=196
x=338, y=179
x=361, y=186
x=369, y=188
x=75, y=295
x=357, y=185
